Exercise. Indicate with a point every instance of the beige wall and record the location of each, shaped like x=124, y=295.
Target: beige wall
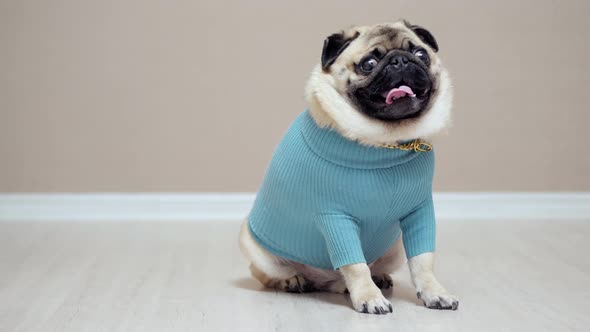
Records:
x=170, y=95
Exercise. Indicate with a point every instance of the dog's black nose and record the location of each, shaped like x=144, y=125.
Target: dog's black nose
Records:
x=399, y=61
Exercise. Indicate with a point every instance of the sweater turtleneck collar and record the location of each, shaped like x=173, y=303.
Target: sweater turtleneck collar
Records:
x=330, y=145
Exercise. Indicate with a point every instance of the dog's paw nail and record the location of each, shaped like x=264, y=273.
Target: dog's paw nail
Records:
x=433, y=305
x=377, y=305
x=365, y=308
x=442, y=302
x=419, y=295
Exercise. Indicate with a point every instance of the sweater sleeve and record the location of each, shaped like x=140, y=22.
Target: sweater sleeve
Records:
x=419, y=230
x=342, y=236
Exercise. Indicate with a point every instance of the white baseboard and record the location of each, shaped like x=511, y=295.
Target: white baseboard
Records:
x=235, y=206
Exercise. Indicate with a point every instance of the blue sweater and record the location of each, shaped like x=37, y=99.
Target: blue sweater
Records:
x=327, y=201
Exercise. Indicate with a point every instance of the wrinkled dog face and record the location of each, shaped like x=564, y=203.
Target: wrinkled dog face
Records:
x=390, y=74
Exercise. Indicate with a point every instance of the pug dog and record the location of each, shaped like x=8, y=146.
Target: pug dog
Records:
x=347, y=197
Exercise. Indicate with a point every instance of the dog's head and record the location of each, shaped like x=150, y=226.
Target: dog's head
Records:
x=381, y=84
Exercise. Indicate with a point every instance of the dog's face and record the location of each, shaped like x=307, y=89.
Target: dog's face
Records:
x=388, y=76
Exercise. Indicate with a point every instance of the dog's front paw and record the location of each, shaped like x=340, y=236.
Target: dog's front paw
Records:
x=371, y=302
x=440, y=300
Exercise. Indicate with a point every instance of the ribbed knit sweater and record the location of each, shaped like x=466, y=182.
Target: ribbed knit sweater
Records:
x=327, y=201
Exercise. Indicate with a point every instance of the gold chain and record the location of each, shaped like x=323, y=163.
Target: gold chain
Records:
x=417, y=146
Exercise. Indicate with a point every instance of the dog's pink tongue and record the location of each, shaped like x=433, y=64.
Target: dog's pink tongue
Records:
x=397, y=93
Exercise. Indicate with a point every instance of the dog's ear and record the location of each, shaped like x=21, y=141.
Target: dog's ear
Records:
x=425, y=36
x=334, y=45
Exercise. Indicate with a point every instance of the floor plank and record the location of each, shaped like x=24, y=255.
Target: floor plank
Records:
x=509, y=276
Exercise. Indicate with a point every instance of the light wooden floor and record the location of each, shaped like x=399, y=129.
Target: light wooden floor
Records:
x=509, y=276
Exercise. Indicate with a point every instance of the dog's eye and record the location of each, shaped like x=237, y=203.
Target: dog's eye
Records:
x=368, y=64
x=421, y=54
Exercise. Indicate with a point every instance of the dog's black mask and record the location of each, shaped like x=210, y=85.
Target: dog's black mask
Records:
x=397, y=84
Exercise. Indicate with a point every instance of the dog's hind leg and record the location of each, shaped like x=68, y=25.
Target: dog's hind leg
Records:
x=384, y=266
x=270, y=270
